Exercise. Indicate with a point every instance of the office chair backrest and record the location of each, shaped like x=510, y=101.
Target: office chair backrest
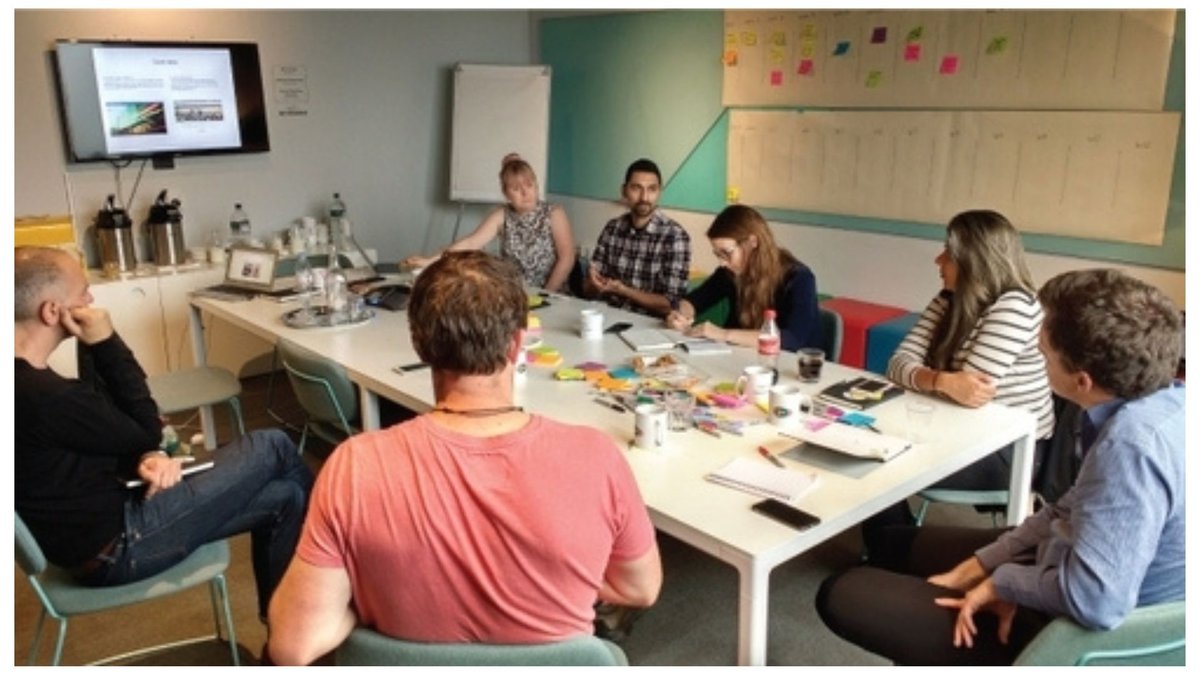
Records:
x=29, y=553
x=1151, y=635
x=831, y=334
x=322, y=387
x=366, y=647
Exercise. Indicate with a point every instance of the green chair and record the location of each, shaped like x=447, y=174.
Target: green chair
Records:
x=965, y=497
x=195, y=387
x=324, y=390
x=1151, y=635
x=831, y=334
x=62, y=597
x=365, y=647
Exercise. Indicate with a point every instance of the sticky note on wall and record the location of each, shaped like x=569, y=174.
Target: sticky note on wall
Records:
x=949, y=65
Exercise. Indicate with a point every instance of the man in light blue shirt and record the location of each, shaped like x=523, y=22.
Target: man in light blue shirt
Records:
x=1113, y=542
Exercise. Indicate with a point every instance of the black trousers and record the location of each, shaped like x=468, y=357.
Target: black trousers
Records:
x=889, y=609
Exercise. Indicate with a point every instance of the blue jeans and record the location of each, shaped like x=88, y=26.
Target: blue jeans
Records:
x=258, y=484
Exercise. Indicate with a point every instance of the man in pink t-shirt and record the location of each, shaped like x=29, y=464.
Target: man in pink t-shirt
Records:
x=476, y=522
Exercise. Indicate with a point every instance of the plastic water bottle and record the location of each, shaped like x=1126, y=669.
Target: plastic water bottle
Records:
x=337, y=208
x=769, y=341
x=337, y=292
x=239, y=225
x=339, y=225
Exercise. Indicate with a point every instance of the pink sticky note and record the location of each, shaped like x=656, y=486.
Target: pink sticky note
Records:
x=912, y=52
x=806, y=67
x=949, y=65
x=816, y=424
x=776, y=78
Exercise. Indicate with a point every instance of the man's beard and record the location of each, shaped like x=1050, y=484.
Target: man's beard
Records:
x=643, y=209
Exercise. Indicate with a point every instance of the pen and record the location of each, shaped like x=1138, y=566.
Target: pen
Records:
x=774, y=460
x=408, y=367
x=606, y=404
x=708, y=428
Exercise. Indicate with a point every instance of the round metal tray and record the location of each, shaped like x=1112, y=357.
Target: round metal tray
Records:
x=322, y=317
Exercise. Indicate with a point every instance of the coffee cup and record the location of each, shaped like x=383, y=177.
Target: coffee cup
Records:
x=650, y=426
x=591, y=324
x=216, y=255
x=754, y=384
x=786, y=401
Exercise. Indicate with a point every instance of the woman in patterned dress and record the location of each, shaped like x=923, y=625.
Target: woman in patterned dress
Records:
x=533, y=234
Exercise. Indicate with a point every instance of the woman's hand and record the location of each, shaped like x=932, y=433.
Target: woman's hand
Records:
x=678, y=320
x=968, y=388
x=966, y=574
x=708, y=330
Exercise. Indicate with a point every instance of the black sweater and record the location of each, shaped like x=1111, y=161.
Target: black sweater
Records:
x=76, y=441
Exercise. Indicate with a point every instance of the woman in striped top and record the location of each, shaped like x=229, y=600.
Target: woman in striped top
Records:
x=977, y=341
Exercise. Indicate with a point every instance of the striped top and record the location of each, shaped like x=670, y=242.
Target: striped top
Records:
x=1004, y=344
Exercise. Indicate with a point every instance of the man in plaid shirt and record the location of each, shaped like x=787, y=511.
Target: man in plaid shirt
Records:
x=642, y=258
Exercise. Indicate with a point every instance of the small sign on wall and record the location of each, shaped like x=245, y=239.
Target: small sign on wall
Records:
x=291, y=91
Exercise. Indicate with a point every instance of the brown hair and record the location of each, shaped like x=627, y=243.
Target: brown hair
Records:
x=987, y=250
x=512, y=166
x=765, y=265
x=1124, y=333
x=36, y=270
x=465, y=310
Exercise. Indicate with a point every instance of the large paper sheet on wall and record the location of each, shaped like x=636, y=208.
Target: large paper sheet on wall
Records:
x=1091, y=175
x=1074, y=60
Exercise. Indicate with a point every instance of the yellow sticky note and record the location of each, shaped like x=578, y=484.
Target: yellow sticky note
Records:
x=732, y=194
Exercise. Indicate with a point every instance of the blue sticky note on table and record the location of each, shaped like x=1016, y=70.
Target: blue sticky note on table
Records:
x=857, y=419
x=623, y=373
x=842, y=48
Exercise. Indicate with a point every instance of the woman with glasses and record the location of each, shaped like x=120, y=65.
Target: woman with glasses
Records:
x=754, y=275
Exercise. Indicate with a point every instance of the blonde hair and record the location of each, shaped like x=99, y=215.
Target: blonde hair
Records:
x=512, y=166
x=765, y=266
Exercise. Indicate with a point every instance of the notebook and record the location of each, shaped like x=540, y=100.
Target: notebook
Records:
x=860, y=393
x=250, y=272
x=654, y=339
x=759, y=477
x=848, y=440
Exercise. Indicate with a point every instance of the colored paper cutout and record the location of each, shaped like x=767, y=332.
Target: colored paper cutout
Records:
x=807, y=49
x=912, y=51
x=915, y=33
x=776, y=78
x=779, y=38
x=730, y=57
x=732, y=194
x=874, y=79
x=879, y=35
x=808, y=31
x=806, y=67
x=778, y=54
x=949, y=65
x=998, y=45
x=731, y=39
x=842, y=48
x=749, y=38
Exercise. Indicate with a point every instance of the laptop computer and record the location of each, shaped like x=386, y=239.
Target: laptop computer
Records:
x=250, y=272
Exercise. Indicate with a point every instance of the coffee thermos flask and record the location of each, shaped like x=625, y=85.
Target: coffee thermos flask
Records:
x=166, y=231
x=114, y=235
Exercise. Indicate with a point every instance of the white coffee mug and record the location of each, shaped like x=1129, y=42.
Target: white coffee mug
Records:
x=216, y=255
x=650, y=426
x=786, y=401
x=754, y=384
x=591, y=324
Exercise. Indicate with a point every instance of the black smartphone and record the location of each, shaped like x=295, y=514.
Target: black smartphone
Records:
x=786, y=514
x=618, y=327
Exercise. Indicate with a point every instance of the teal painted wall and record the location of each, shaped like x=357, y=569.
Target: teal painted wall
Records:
x=649, y=85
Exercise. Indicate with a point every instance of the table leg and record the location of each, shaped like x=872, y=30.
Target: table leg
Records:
x=753, y=584
x=369, y=402
x=1021, y=478
x=200, y=356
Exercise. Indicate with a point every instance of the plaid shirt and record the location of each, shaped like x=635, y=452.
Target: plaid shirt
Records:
x=655, y=259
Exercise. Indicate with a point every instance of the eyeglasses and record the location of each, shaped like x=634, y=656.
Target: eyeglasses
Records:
x=725, y=254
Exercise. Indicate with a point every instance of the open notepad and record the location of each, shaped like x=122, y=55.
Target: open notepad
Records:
x=758, y=477
x=188, y=469
x=651, y=339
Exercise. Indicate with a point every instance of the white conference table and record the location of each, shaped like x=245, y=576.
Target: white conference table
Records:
x=708, y=516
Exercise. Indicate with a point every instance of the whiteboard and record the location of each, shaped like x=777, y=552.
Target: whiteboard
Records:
x=497, y=110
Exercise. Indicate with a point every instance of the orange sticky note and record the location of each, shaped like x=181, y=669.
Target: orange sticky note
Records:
x=730, y=57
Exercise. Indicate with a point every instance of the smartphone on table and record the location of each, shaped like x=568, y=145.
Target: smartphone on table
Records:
x=786, y=513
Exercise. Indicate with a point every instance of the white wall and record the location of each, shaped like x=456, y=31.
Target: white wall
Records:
x=885, y=269
x=377, y=129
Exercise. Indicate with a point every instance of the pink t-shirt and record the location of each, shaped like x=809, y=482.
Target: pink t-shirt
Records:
x=454, y=538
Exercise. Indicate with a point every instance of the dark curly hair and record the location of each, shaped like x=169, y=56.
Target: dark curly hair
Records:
x=465, y=310
x=1124, y=333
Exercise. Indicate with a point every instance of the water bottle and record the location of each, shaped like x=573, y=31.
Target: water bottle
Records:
x=239, y=226
x=339, y=226
x=337, y=290
x=769, y=341
x=337, y=208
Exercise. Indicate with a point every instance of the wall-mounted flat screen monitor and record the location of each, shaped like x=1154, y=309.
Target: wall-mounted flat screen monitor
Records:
x=131, y=99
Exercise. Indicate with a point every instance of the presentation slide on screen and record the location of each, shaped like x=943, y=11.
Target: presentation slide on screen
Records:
x=158, y=100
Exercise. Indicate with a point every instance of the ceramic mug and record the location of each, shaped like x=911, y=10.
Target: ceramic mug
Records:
x=650, y=426
x=591, y=324
x=786, y=402
x=754, y=384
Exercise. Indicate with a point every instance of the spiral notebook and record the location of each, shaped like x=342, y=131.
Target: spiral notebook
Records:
x=758, y=477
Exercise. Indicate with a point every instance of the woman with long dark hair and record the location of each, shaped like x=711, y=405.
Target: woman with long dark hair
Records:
x=755, y=274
